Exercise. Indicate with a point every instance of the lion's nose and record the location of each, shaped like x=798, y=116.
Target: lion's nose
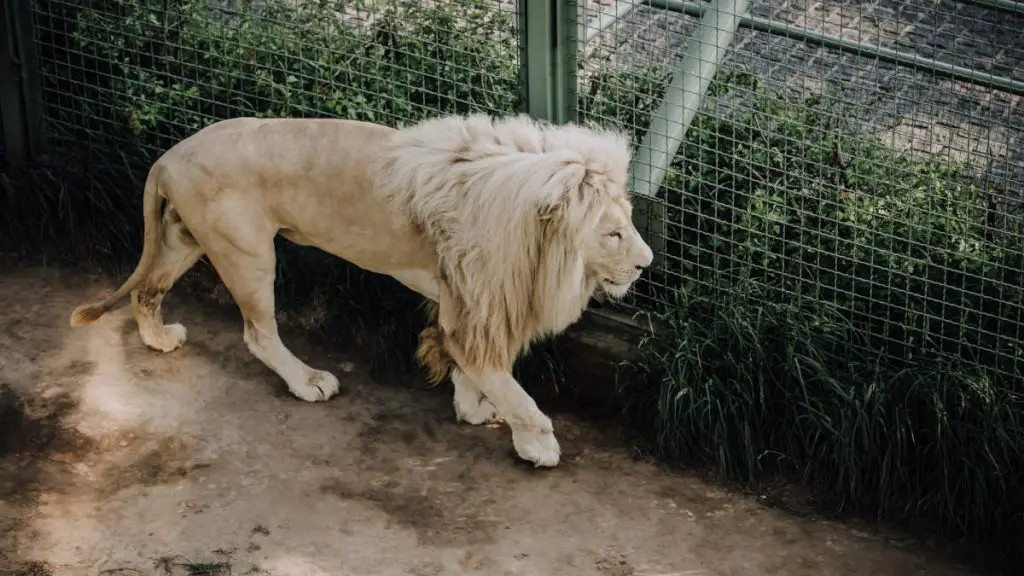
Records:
x=647, y=258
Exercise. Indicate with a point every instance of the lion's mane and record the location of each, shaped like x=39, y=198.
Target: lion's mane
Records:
x=507, y=205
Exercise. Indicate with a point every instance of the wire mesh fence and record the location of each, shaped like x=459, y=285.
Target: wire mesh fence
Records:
x=825, y=169
x=123, y=80
x=151, y=72
x=865, y=156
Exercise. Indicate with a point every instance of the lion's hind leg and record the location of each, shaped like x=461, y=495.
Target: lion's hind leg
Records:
x=178, y=252
x=245, y=263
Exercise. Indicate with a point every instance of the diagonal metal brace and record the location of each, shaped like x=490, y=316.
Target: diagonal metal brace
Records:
x=704, y=54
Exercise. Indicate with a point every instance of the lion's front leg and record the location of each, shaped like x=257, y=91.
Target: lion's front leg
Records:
x=532, y=432
x=470, y=404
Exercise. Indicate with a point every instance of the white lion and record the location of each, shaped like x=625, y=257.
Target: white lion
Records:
x=507, y=226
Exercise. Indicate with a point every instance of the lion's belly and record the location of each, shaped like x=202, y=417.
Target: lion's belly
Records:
x=297, y=238
x=395, y=253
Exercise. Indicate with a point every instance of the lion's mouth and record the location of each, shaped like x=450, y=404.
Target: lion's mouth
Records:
x=619, y=283
x=615, y=288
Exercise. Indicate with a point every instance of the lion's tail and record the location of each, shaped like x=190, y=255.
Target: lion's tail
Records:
x=153, y=229
x=433, y=355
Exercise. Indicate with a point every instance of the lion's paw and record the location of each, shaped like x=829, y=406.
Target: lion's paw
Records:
x=171, y=338
x=472, y=408
x=482, y=413
x=319, y=387
x=537, y=445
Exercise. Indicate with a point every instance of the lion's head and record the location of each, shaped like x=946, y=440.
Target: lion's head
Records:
x=614, y=254
x=528, y=221
x=598, y=213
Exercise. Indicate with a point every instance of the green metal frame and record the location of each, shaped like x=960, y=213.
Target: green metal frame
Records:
x=547, y=64
x=1012, y=6
x=719, y=21
x=620, y=9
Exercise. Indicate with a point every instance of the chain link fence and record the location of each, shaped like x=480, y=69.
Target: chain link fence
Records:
x=865, y=156
x=840, y=247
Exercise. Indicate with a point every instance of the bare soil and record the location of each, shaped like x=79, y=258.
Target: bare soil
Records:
x=115, y=459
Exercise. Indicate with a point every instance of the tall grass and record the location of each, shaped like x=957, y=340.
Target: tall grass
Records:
x=842, y=314
x=754, y=388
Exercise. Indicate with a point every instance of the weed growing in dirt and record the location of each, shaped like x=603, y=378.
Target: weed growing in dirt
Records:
x=168, y=564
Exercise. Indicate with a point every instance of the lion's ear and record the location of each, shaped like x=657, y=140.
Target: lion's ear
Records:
x=565, y=188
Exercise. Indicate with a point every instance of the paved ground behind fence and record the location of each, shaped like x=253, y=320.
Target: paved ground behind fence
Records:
x=911, y=110
x=119, y=460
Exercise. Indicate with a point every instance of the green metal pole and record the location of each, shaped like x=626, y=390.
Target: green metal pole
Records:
x=31, y=83
x=547, y=48
x=704, y=54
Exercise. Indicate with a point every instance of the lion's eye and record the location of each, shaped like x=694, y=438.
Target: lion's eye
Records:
x=616, y=235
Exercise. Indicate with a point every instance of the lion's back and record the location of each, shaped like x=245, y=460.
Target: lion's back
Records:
x=284, y=162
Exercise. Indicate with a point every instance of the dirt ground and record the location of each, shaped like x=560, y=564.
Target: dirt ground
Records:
x=118, y=460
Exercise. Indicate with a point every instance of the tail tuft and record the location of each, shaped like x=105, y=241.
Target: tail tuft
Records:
x=86, y=314
x=90, y=312
x=433, y=355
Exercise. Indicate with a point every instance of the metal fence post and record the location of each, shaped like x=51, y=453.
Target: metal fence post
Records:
x=20, y=90
x=705, y=52
x=548, y=30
